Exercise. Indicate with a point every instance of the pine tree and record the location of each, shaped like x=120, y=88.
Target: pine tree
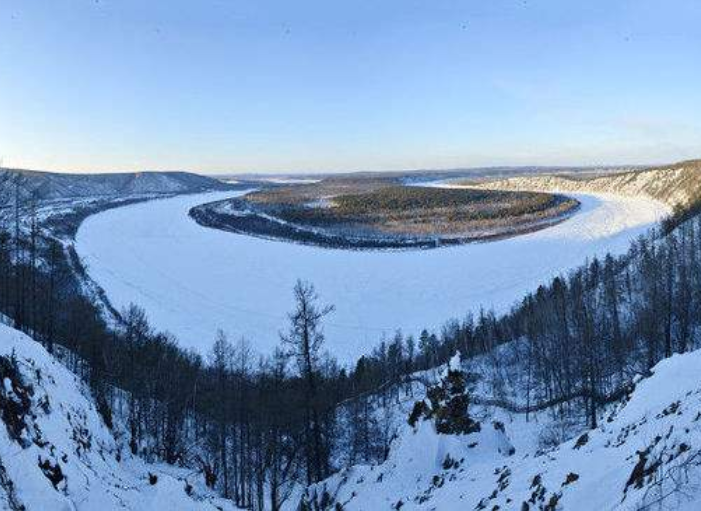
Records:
x=447, y=403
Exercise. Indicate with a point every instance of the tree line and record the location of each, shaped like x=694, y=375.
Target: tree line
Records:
x=583, y=338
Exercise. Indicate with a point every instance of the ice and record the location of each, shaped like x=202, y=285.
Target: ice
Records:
x=193, y=280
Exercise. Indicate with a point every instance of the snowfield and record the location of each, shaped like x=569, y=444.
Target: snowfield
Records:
x=193, y=280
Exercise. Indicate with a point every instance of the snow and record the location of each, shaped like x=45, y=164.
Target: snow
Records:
x=193, y=280
x=64, y=428
x=453, y=364
x=7, y=384
x=661, y=418
x=291, y=180
x=673, y=186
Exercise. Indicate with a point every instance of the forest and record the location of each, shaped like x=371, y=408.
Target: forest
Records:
x=257, y=427
x=384, y=214
x=449, y=210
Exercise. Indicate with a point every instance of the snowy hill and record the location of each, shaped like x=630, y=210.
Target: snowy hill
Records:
x=49, y=185
x=645, y=455
x=57, y=454
x=674, y=185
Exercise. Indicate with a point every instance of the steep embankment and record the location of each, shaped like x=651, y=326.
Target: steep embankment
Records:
x=57, y=453
x=646, y=453
x=674, y=185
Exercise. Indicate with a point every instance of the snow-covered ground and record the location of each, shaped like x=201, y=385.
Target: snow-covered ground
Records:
x=192, y=280
x=645, y=455
x=58, y=454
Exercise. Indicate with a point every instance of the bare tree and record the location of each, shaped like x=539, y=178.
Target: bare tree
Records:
x=304, y=341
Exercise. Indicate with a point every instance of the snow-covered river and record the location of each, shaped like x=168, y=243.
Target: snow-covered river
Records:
x=193, y=280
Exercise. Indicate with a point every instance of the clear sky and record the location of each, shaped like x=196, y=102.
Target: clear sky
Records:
x=324, y=85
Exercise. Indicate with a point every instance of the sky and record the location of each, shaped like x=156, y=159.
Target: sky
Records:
x=341, y=85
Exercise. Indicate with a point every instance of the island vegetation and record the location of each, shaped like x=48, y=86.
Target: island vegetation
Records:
x=382, y=214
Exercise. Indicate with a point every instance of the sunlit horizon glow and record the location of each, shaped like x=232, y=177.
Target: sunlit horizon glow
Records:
x=227, y=86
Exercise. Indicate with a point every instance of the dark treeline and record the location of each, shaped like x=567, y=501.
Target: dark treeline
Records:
x=588, y=334
x=257, y=426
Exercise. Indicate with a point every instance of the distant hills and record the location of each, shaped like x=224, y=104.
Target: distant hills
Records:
x=677, y=185
x=52, y=186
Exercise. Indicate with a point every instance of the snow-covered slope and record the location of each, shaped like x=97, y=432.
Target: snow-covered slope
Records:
x=56, y=452
x=51, y=186
x=674, y=185
x=645, y=455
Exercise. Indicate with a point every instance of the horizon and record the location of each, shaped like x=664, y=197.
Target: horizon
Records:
x=322, y=173
x=229, y=88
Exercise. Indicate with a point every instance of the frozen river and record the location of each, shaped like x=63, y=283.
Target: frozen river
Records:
x=193, y=280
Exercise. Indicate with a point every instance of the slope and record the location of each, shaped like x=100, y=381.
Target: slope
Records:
x=675, y=185
x=56, y=452
x=647, y=454
x=51, y=186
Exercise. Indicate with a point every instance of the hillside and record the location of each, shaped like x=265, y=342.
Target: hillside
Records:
x=675, y=185
x=50, y=186
x=646, y=453
x=56, y=453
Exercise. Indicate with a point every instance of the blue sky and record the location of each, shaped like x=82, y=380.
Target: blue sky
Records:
x=309, y=85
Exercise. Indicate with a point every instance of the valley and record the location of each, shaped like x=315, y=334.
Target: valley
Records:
x=193, y=280
x=350, y=256
x=152, y=272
